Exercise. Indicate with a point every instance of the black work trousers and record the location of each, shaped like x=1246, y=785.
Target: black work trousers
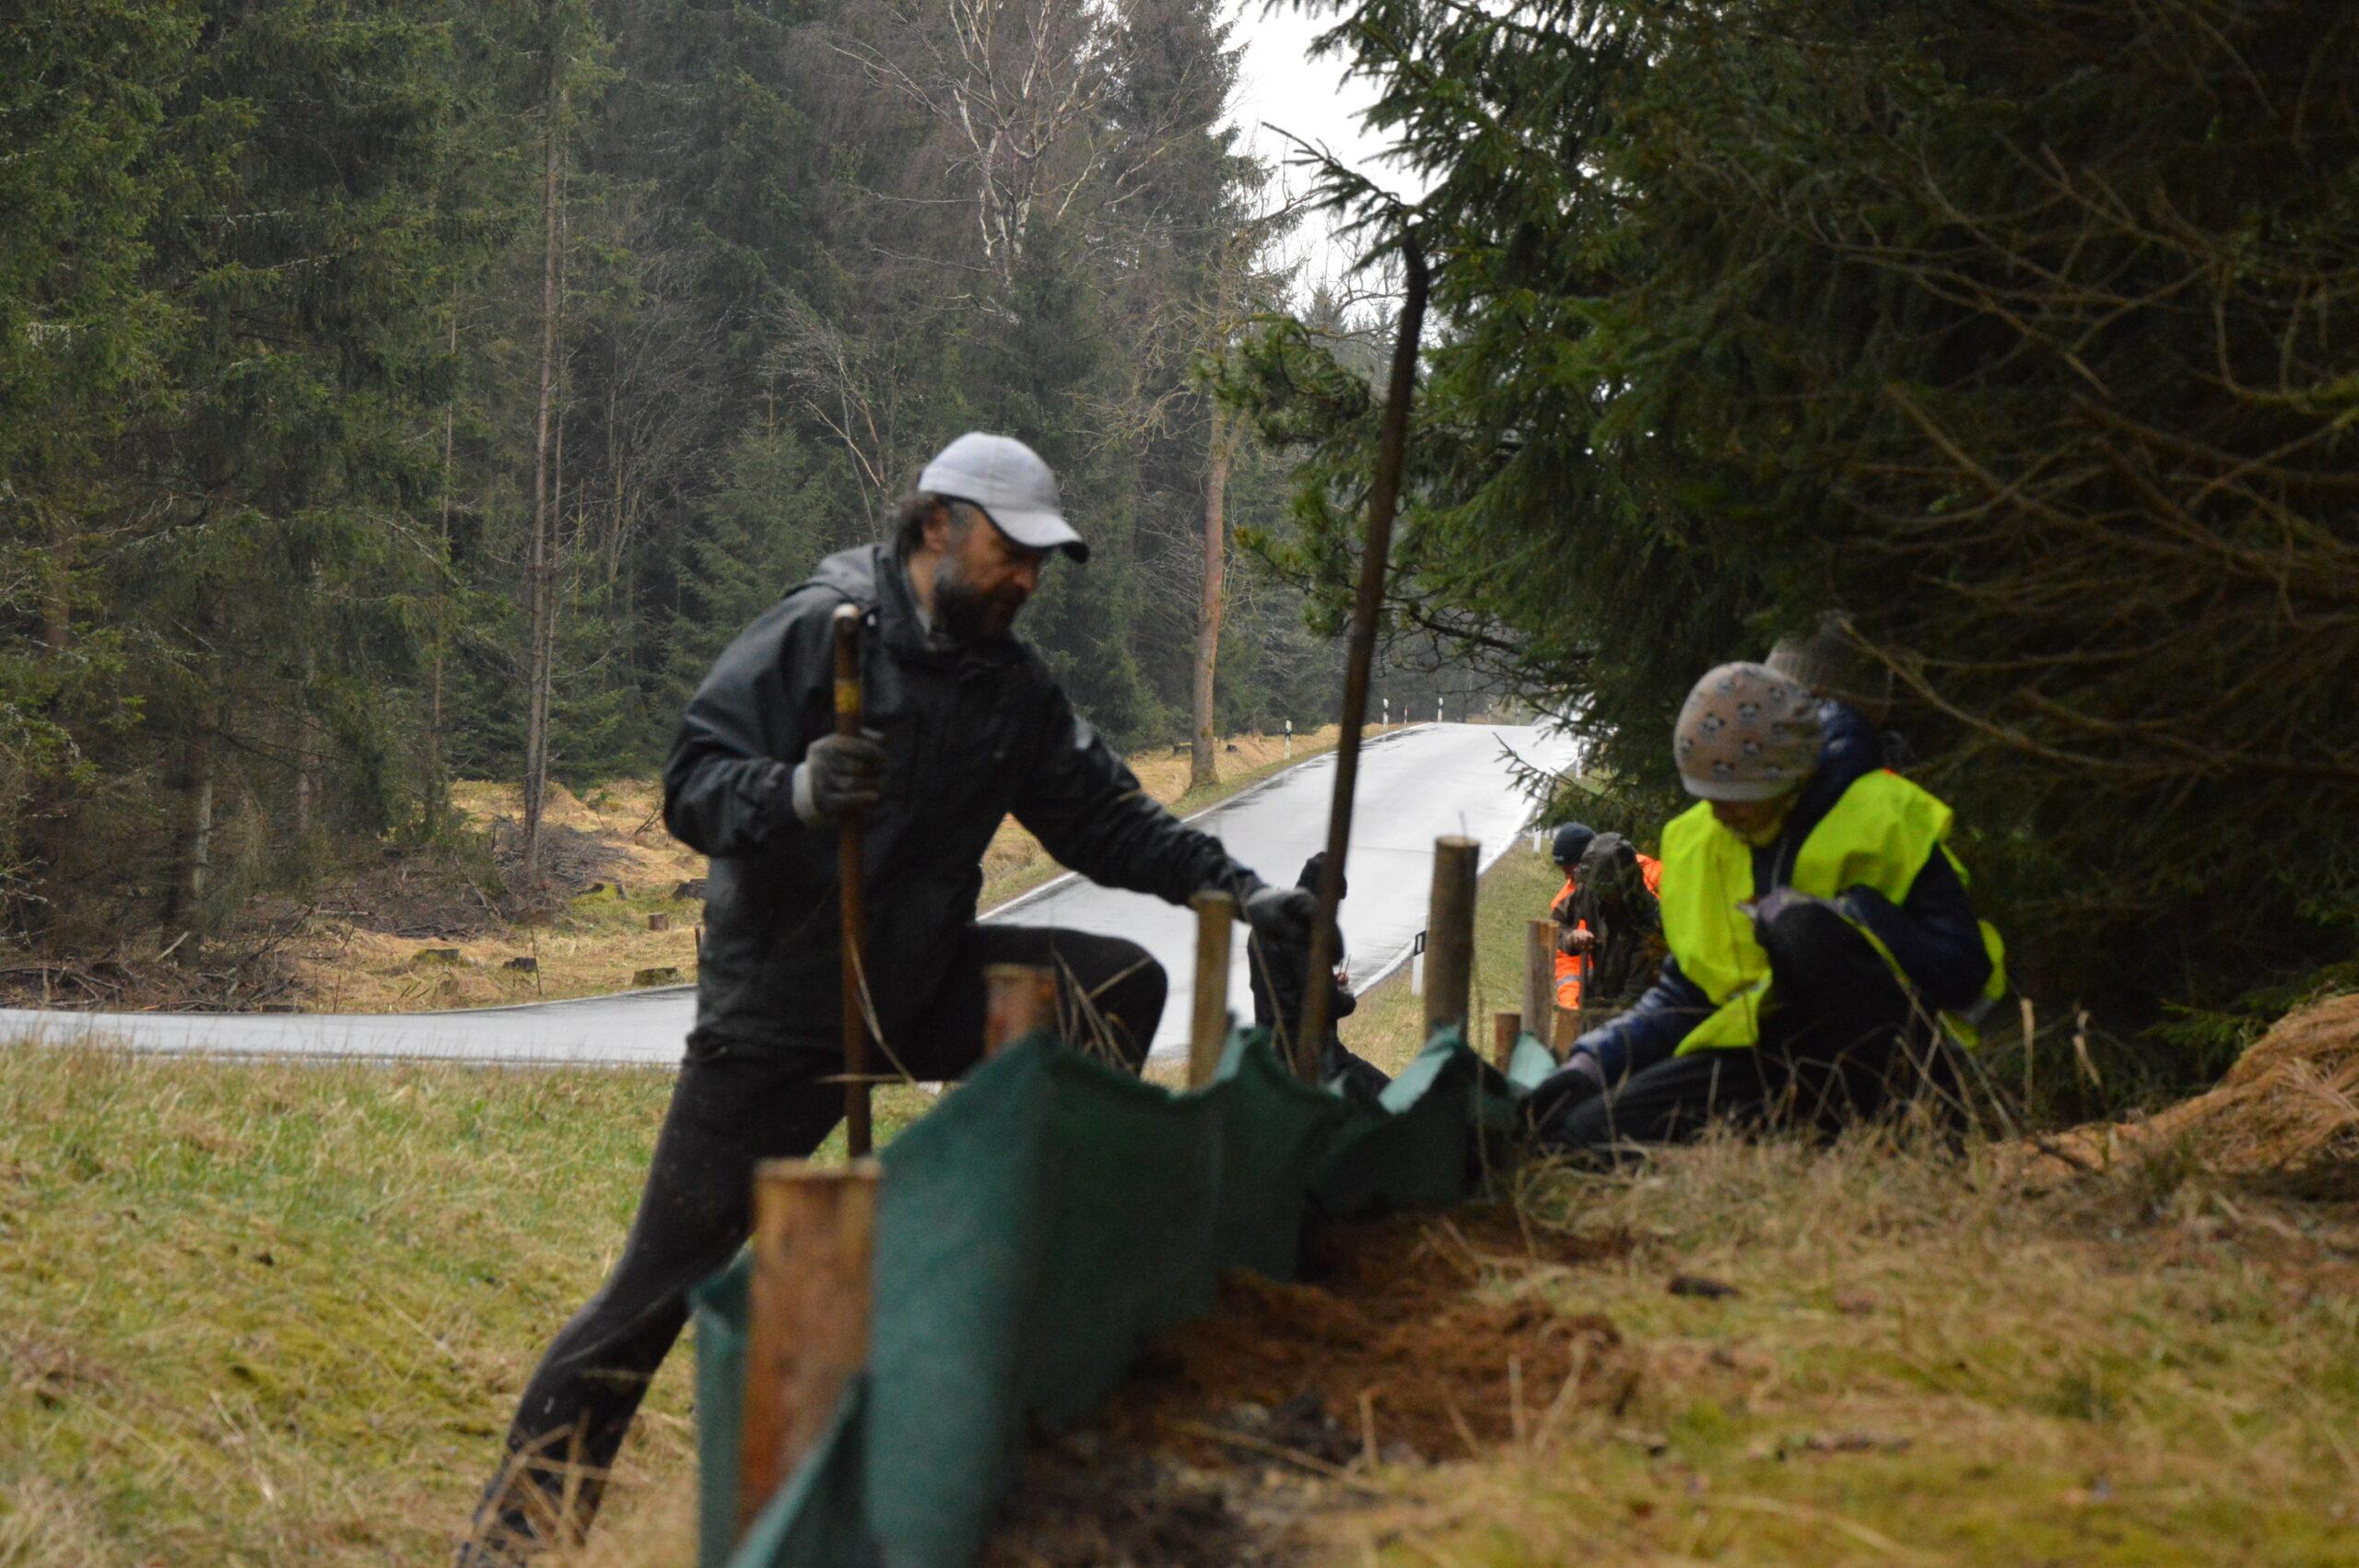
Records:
x=732, y=1107
x=1840, y=1041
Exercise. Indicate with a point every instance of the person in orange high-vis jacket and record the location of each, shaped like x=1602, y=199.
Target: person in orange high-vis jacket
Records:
x=1572, y=938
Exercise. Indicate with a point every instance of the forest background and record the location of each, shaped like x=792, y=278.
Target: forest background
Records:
x=397, y=392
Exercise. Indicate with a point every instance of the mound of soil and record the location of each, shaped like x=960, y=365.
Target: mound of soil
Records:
x=1240, y=1426
x=1394, y=1344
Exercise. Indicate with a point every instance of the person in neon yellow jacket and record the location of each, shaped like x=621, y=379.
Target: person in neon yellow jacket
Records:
x=1825, y=955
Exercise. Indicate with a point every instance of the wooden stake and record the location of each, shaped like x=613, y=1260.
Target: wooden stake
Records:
x=851, y=893
x=1018, y=999
x=1505, y=1028
x=1540, y=976
x=815, y=1236
x=1208, y=1026
x=1450, y=934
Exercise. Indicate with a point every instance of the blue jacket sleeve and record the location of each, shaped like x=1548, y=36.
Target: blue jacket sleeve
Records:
x=1650, y=1031
x=1934, y=935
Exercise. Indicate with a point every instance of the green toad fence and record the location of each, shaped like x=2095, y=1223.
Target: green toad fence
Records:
x=1032, y=1232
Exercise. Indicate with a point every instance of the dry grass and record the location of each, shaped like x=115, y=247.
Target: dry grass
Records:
x=1932, y=1356
x=1921, y=1364
x=2286, y=1114
x=600, y=938
x=597, y=942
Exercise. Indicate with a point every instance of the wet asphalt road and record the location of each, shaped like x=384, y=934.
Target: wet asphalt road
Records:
x=1413, y=786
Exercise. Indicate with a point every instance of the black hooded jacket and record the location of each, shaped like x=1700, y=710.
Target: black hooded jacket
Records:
x=971, y=732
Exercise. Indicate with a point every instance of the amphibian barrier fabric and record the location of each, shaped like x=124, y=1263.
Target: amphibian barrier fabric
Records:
x=1034, y=1231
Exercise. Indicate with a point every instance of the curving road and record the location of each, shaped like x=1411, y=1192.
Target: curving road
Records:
x=1413, y=786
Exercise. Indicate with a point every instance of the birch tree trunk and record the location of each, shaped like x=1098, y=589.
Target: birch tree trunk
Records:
x=1203, y=756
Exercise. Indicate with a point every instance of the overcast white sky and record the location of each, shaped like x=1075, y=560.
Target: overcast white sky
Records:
x=1282, y=87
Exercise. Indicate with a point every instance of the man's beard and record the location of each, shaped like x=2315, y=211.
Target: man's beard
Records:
x=966, y=615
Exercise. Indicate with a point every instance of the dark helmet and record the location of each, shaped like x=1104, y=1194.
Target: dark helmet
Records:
x=1310, y=878
x=1572, y=842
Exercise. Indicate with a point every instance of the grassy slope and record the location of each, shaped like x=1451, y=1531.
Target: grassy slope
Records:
x=275, y=1315
x=1923, y=1365
x=1927, y=1361
x=278, y=1314
x=265, y=1313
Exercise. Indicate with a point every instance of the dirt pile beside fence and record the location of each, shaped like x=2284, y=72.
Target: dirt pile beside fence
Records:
x=1388, y=1349
x=1243, y=1432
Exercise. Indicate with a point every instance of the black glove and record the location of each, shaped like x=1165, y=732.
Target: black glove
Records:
x=1765, y=910
x=1581, y=1079
x=839, y=773
x=1282, y=915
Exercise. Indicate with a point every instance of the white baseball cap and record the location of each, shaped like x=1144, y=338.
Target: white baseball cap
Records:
x=1013, y=487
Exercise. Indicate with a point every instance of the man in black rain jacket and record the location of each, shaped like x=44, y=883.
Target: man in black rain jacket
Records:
x=965, y=726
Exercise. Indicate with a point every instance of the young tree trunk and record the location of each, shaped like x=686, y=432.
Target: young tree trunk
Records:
x=307, y=767
x=57, y=589
x=540, y=580
x=193, y=874
x=438, y=654
x=1203, y=756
